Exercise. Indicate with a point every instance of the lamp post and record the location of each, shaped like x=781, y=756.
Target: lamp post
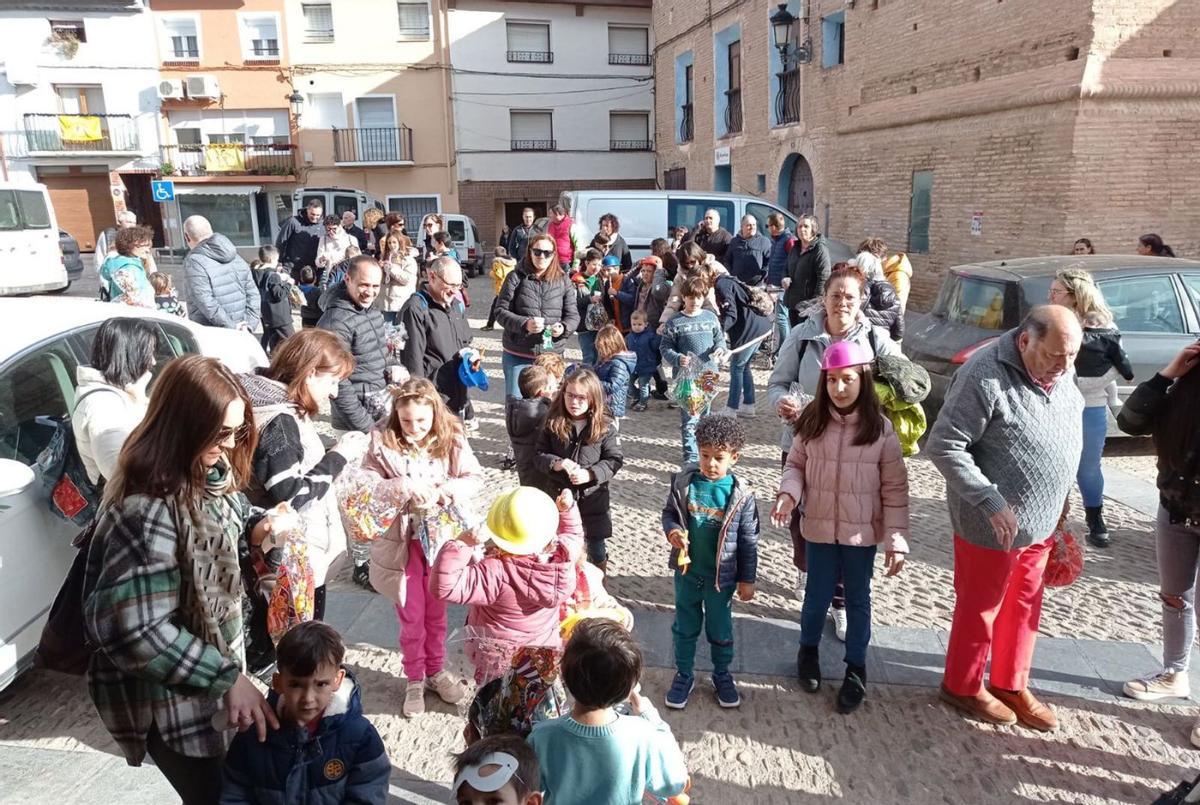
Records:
x=296, y=100
x=781, y=31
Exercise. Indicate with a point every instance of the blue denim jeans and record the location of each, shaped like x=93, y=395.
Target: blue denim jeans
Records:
x=741, y=379
x=783, y=324
x=1090, y=476
x=587, y=343
x=512, y=365
x=687, y=433
x=826, y=564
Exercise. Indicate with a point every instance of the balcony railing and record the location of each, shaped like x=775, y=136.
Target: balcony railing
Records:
x=533, y=145
x=685, y=128
x=630, y=145
x=229, y=159
x=379, y=145
x=787, y=99
x=638, y=59
x=80, y=133
x=733, y=111
x=531, y=56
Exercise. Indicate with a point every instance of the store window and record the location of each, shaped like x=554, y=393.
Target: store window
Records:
x=231, y=215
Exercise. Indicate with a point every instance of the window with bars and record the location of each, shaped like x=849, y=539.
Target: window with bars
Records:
x=183, y=39
x=413, y=208
x=414, y=20
x=318, y=22
x=529, y=42
x=67, y=30
x=260, y=36
x=629, y=131
x=531, y=130
x=628, y=45
x=920, y=212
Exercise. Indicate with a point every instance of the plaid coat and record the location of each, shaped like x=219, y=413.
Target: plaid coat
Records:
x=148, y=670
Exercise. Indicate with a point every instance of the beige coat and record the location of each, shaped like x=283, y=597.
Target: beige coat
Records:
x=399, y=283
x=675, y=301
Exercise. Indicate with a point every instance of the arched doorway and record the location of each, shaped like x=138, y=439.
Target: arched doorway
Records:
x=796, y=185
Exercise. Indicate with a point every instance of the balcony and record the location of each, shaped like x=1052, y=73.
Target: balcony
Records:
x=385, y=145
x=635, y=59
x=533, y=145
x=229, y=159
x=686, y=127
x=733, y=111
x=787, y=99
x=74, y=134
x=530, y=56
x=630, y=145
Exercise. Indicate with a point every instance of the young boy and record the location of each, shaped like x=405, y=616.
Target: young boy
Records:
x=704, y=503
x=523, y=419
x=497, y=770
x=694, y=335
x=310, y=311
x=324, y=742
x=643, y=342
x=556, y=369
x=595, y=754
x=274, y=300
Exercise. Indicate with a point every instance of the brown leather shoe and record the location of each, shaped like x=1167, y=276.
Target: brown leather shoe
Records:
x=1029, y=711
x=983, y=706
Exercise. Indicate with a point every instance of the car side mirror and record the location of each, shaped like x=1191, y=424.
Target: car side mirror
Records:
x=15, y=478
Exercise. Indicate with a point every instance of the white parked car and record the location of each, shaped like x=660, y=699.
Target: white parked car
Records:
x=42, y=342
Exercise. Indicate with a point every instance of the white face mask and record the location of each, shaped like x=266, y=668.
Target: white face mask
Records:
x=506, y=767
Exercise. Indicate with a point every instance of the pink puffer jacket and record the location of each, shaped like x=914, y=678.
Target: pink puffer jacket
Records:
x=851, y=494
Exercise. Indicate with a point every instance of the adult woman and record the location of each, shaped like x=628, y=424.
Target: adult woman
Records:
x=373, y=223
x=110, y=398
x=290, y=462
x=745, y=328
x=807, y=271
x=1167, y=407
x=163, y=590
x=793, y=382
x=431, y=224
x=1152, y=245
x=125, y=277
x=536, y=308
x=1099, y=362
x=1083, y=246
x=399, y=276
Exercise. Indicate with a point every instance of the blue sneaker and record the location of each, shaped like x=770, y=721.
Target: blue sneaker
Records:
x=727, y=692
x=681, y=688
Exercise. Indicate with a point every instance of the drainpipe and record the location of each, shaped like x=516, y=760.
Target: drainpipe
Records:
x=444, y=28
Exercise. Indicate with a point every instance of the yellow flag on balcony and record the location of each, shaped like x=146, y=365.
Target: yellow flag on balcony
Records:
x=224, y=157
x=79, y=128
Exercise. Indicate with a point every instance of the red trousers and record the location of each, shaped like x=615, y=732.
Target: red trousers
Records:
x=998, y=603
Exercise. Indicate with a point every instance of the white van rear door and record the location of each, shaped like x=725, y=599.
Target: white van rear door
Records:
x=641, y=219
x=29, y=238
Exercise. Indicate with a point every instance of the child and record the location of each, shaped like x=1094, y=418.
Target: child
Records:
x=422, y=450
x=322, y=727
x=695, y=334
x=274, y=303
x=310, y=311
x=595, y=754
x=588, y=291
x=711, y=521
x=579, y=449
x=524, y=418
x=514, y=592
x=644, y=343
x=556, y=368
x=846, y=467
x=497, y=770
x=614, y=370
x=164, y=295
x=331, y=276
x=502, y=266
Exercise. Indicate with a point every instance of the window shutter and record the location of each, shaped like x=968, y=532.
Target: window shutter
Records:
x=318, y=19
x=414, y=20
x=629, y=127
x=530, y=125
x=628, y=40
x=531, y=37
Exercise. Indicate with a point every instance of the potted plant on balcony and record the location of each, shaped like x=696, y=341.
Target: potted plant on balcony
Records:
x=167, y=169
x=65, y=42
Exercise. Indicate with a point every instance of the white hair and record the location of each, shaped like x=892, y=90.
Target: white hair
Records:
x=716, y=213
x=126, y=218
x=196, y=228
x=749, y=219
x=871, y=266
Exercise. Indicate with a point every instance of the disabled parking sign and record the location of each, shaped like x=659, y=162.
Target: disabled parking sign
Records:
x=162, y=190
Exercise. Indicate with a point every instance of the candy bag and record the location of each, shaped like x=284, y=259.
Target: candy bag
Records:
x=1066, y=559
x=436, y=527
x=369, y=505
x=695, y=385
x=291, y=601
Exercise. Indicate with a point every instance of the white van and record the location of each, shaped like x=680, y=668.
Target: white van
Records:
x=33, y=260
x=336, y=200
x=465, y=235
x=648, y=214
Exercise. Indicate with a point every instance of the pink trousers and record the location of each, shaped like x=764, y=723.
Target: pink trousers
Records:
x=422, y=619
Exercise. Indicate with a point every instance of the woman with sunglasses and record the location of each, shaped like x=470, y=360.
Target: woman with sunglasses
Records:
x=162, y=598
x=537, y=309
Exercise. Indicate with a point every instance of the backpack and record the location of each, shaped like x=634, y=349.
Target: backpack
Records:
x=760, y=301
x=64, y=645
x=70, y=493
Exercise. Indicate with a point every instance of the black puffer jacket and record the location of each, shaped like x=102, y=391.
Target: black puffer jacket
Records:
x=604, y=459
x=362, y=331
x=523, y=419
x=436, y=334
x=298, y=239
x=808, y=270
x=1100, y=351
x=883, y=308
x=741, y=323
x=523, y=297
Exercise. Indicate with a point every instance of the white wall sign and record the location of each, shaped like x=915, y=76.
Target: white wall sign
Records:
x=721, y=156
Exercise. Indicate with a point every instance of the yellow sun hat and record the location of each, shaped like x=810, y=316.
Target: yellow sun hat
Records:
x=523, y=520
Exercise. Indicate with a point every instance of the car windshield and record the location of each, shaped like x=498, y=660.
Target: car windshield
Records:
x=974, y=302
x=457, y=230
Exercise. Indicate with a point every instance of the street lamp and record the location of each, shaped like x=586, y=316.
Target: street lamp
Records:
x=781, y=30
x=297, y=102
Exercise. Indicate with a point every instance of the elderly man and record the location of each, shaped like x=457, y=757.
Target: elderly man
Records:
x=749, y=253
x=299, y=237
x=438, y=332
x=1008, y=441
x=106, y=241
x=357, y=234
x=710, y=236
x=220, y=288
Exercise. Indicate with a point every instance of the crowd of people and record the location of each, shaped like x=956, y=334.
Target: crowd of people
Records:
x=219, y=493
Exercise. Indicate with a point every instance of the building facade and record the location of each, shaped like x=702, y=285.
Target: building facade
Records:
x=79, y=108
x=955, y=130
x=549, y=96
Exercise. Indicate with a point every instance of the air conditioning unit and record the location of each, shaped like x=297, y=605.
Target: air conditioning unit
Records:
x=170, y=89
x=203, y=86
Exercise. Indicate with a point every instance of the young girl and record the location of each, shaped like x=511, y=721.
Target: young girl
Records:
x=399, y=276
x=165, y=298
x=586, y=282
x=579, y=449
x=846, y=467
x=615, y=370
x=422, y=454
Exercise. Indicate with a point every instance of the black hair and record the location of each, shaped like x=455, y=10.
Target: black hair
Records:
x=307, y=646
x=443, y=238
x=527, y=778
x=123, y=350
x=601, y=663
x=1156, y=246
x=612, y=219
x=724, y=432
x=1086, y=242
x=332, y=220
x=307, y=275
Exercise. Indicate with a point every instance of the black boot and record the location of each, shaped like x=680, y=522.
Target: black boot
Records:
x=854, y=689
x=808, y=668
x=1097, y=530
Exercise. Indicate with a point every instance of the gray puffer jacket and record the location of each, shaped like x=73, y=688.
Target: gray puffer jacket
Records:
x=220, y=289
x=362, y=331
x=523, y=297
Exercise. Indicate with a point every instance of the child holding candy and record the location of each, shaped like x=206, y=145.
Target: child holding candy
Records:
x=695, y=335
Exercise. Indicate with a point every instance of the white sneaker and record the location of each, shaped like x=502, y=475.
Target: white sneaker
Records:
x=801, y=582
x=747, y=411
x=414, y=698
x=725, y=411
x=449, y=687
x=839, y=624
x=1163, y=685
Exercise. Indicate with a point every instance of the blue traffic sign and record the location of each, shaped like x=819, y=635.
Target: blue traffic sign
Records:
x=163, y=190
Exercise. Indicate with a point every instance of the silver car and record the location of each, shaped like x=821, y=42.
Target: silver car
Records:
x=1155, y=300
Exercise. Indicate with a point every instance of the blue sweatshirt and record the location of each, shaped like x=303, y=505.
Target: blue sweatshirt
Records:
x=699, y=335
x=645, y=346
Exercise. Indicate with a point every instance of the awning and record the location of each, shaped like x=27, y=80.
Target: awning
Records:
x=182, y=189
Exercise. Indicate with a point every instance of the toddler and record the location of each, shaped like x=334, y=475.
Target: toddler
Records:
x=615, y=368
x=165, y=298
x=497, y=770
x=644, y=343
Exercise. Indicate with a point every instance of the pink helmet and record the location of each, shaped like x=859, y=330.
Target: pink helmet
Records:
x=845, y=353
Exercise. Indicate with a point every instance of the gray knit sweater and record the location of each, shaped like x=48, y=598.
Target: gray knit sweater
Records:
x=1001, y=439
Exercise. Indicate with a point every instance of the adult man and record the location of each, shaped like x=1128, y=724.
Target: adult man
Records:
x=1008, y=442
x=611, y=228
x=782, y=241
x=710, y=235
x=356, y=232
x=299, y=236
x=518, y=239
x=106, y=241
x=438, y=331
x=348, y=314
x=220, y=289
x=749, y=253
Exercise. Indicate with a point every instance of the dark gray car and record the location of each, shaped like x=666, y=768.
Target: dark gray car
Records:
x=72, y=260
x=1155, y=301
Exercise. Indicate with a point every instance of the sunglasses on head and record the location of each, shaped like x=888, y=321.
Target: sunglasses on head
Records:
x=239, y=434
x=542, y=252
